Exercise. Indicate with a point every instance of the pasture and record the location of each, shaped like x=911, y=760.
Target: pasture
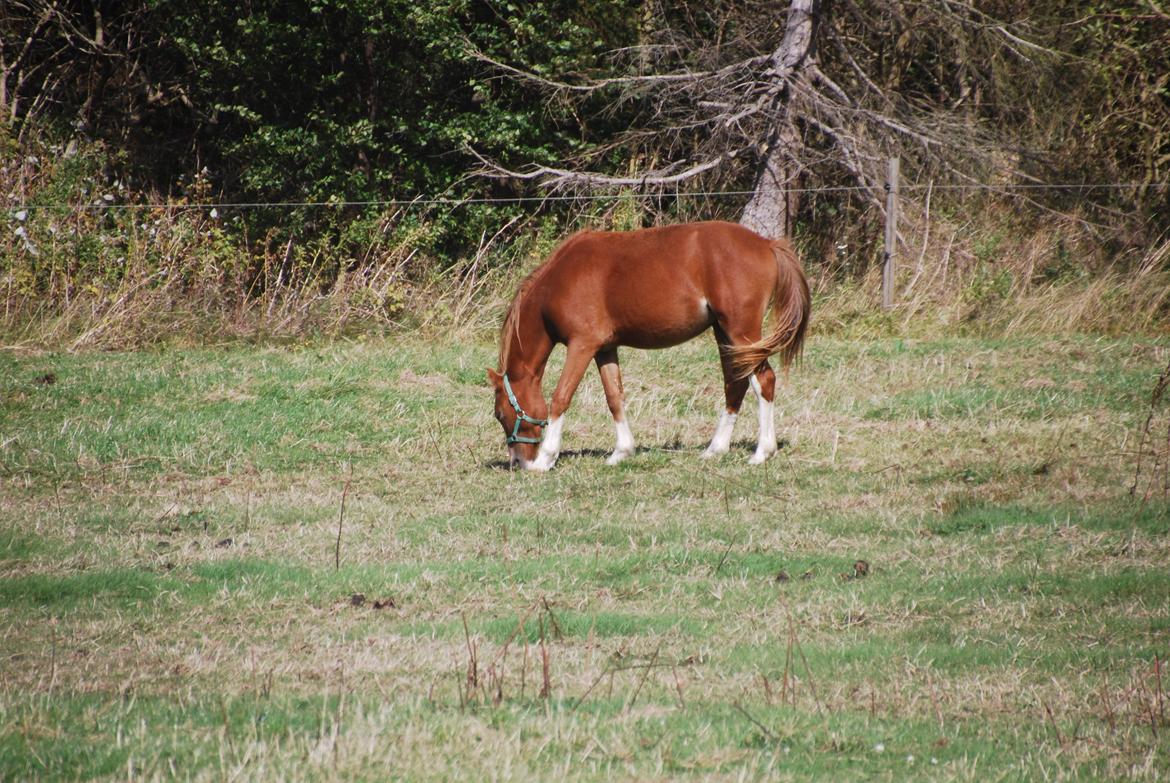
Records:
x=312, y=563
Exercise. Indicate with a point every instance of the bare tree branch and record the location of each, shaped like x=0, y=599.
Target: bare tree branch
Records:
x=765, y=121
x=617, y=81
x=557, y=178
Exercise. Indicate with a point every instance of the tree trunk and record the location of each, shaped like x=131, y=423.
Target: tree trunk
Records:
x=772, y=207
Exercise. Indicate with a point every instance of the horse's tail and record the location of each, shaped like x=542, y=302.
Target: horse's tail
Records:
x=791, y=304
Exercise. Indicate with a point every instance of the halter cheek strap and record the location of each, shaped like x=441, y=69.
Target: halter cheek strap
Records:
x=516, y=437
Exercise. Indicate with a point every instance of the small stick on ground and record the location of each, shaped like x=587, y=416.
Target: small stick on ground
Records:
x=1109, y=716
x=341, y=520
x=503, y=653
x=723, y=558
x=1145, y=436
x=934, y=702
x=1055, y=728
x=227, y=725
x=812, y=683
x=1150, y=703
x=546, y=680
x=554, y=626
x=53, y=655
x=645, y=675
x=472, y=663
x=1158, y=677
x=524, y=669
x=596, y=680
x=785, y=692
x=727, y=512
x=767, y=732
x=678, y=687
x=800, y=651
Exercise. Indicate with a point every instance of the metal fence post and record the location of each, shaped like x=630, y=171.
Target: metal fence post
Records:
x=891, y=234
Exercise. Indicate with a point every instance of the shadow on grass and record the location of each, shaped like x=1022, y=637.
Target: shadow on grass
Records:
x=744, y=445
x=570, y=454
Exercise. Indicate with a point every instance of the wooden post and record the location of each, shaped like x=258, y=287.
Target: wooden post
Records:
x=891, y=234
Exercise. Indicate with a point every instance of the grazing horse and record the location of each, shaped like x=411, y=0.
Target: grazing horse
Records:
x=652, y=288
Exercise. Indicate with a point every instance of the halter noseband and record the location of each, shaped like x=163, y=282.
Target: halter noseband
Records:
x=516, y=437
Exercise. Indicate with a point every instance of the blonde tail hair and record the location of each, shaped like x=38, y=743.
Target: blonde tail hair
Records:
x=791, y=304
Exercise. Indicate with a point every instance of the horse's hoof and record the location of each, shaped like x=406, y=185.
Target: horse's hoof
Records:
x=760, y=457
x=708, y=454
x=617, y=457
x=543, y=462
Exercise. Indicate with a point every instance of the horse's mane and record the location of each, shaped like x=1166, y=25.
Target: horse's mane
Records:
x=512, y=316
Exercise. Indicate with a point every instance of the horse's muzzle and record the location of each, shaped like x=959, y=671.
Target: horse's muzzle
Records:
x=516, y=459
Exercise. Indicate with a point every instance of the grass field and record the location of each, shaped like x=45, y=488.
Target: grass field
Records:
x=177, y=601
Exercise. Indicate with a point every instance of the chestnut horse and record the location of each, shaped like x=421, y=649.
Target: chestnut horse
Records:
x=652, y=288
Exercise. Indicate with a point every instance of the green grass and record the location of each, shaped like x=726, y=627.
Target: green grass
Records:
x=174, y=603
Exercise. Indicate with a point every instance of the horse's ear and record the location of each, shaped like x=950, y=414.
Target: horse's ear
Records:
x=494, y=378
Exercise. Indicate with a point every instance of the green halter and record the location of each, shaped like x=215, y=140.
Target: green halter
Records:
x=516, y=437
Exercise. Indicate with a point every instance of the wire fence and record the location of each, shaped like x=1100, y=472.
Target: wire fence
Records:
x=110, y=203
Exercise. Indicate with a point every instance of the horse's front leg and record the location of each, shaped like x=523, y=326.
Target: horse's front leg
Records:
x=576, y=362
x=611, y=380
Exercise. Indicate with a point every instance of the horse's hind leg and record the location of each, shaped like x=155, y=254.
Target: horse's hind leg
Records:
x=611, y=379
x=763, y=383
x=734, y=390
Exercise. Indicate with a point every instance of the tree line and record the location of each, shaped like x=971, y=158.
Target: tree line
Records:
x=354, y=100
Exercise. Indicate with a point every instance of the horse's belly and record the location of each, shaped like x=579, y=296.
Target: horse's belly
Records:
x=661, y=324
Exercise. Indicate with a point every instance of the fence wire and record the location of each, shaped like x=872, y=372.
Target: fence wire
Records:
x=108, y=202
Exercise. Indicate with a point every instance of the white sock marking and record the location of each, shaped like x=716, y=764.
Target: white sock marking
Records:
x=722, y=440
x=550, y=447
x=766, y=444
x=625, y=443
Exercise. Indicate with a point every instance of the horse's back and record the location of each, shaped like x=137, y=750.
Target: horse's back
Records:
x=644, y=257
x=658, y=286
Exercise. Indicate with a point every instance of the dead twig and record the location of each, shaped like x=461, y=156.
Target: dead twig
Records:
x=800, y=651
x=768, y=733
x=546, y=679
x=341, y=520
x=934, y=703
x=1055, y=728
x=645, y=676
x=1146, y=437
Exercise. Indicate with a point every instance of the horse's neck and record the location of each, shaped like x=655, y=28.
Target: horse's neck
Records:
x=530, y=344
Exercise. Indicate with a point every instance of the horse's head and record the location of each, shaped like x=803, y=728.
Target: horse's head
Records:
x=522, y=412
